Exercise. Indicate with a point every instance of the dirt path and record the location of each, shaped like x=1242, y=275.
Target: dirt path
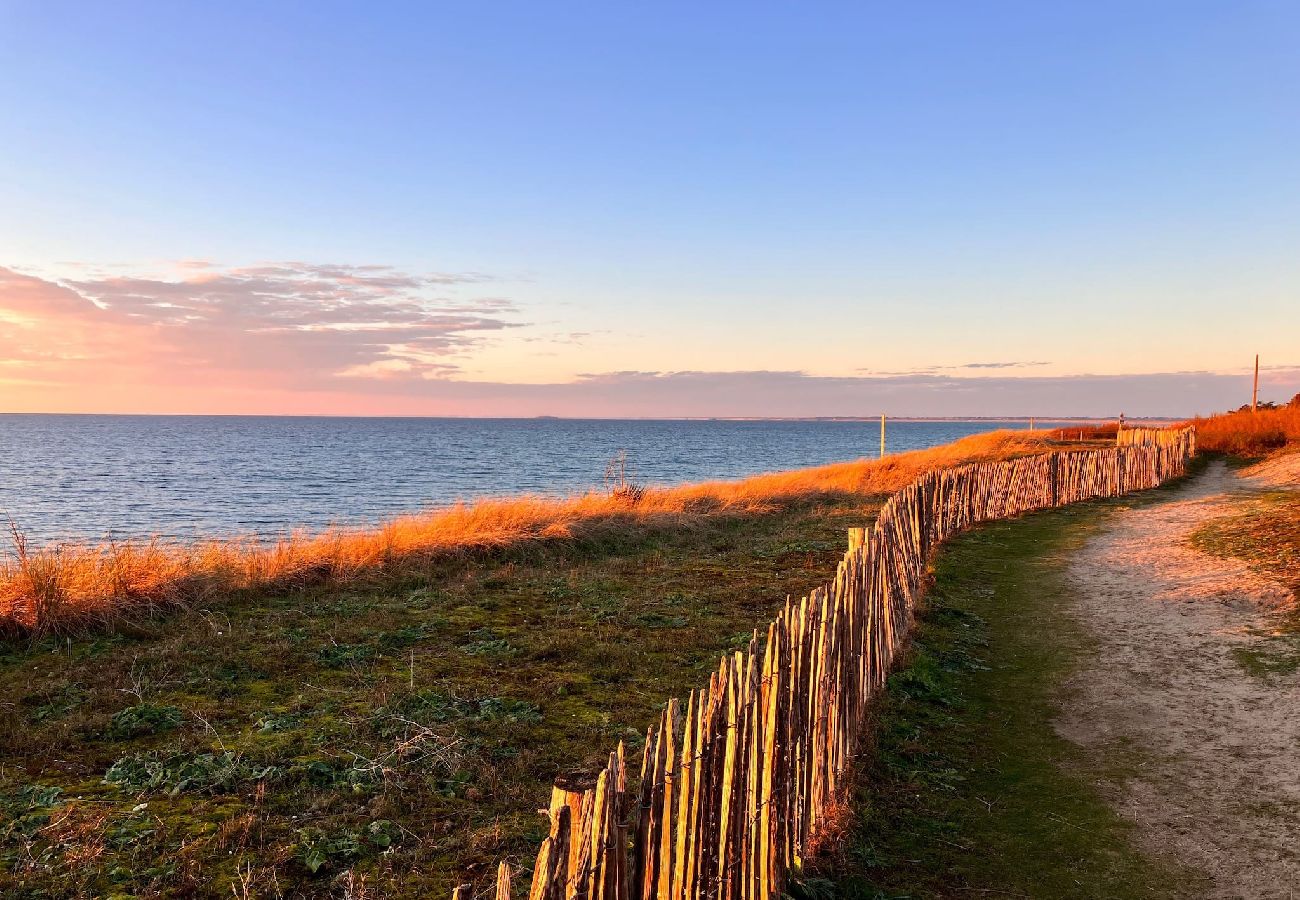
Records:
x=1211, y=744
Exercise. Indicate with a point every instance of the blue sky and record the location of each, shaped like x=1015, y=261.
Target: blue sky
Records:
x=836, y=190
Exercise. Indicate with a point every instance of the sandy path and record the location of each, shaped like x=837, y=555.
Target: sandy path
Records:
x=1215, y=750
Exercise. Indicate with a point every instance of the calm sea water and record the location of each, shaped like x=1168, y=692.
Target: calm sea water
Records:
x=89, y=477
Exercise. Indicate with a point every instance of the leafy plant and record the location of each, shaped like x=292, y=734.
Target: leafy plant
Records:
x=317, y=848
x=58, y=705
x=33, y=796
x=431, y=708
x=275, y=722
x=142, y=719
x=186, y=772
x=356, y=776
x=484, y=643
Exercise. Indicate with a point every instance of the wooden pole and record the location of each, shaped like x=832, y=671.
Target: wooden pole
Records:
x=857, y=538
x=882, y=436
x=1254, y=395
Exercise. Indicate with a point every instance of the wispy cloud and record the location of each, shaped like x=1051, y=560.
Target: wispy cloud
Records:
x=930, y=370
x=295, y=323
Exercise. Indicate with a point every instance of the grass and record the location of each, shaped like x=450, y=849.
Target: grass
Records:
x=397, y=733
x=1266, y=535
x=1279, y=657
x=969, y=790
x=390, y=725
x=1104, y=431
x=71, y=589
x=1246, y=433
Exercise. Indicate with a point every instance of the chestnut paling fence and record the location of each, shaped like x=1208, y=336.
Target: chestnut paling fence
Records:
x=738, y=785
x=1156, y=437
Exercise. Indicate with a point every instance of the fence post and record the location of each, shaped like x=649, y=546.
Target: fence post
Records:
x=503, y=881
x=575, y=792
x=857, y=538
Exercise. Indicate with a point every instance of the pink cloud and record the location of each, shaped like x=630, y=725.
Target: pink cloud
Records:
x=286, y=324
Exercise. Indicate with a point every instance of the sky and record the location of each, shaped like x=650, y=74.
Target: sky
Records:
x=663, y=209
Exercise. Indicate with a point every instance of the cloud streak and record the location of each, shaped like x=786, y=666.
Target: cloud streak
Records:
x=293, y=324
x=932, y=370
x=1001, y=365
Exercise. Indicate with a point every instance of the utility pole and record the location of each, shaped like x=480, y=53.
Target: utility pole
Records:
x=1254, y=395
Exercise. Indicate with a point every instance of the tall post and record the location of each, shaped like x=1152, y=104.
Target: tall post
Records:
x=882, y=435
x=1254, y=395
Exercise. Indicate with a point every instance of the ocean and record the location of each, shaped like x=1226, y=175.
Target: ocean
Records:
x=89, y=478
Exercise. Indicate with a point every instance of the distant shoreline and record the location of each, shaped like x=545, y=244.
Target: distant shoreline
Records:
x=872, y=418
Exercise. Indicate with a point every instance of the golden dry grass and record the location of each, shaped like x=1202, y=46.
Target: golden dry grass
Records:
x=1101, y=432
x=1246, y=433
x=73, y=587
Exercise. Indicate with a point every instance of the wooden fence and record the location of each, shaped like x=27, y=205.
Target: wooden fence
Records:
x=737, y=786
x=1156, y=437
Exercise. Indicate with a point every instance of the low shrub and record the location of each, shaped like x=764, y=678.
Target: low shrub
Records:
x=143, y=719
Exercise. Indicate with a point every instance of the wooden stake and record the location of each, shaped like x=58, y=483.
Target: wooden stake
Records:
x=503, y=881
x=857, y=538
x=882, y=436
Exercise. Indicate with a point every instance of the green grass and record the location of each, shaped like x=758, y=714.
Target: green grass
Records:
x=1274, y=657
x=1266, y=535
x=404, y=731
x=969, y=790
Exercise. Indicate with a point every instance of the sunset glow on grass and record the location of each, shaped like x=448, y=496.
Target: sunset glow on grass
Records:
x=70, y=587
x=1249, y=433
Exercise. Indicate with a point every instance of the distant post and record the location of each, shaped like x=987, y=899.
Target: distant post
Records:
x=1254, y=394
x=1031, y=423
x=882, y=435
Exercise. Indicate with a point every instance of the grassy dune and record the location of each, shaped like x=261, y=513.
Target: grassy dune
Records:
x=70, y=588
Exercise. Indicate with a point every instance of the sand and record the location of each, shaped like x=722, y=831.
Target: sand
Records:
x=1212, y=751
